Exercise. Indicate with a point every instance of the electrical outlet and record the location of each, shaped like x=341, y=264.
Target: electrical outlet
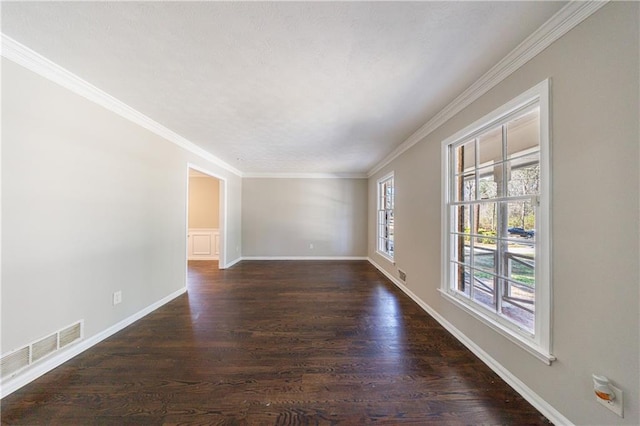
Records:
x=311, y=246
x=617, y=404
x=117, y=297
x=402, y=275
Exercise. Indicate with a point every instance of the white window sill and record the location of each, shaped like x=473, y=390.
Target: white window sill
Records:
x=528, y=346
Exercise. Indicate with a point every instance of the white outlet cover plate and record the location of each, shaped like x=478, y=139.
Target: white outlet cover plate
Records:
x=617, y=404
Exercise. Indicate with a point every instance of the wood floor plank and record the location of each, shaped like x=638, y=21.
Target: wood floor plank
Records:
x=276, y=343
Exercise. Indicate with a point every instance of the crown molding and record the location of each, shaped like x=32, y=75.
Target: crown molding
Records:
x=558, y=25
x=306, y=175
x=22, y=55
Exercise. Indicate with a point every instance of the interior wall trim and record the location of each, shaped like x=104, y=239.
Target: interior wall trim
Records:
x=40, y=369
x=558, y=25
x=232, y=263
x=306, y=175
x=304, y=258
x=525, y=391
x=22, y=55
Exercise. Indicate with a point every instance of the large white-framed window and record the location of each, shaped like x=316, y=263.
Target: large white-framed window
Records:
x=496, y=220
x=385, y=222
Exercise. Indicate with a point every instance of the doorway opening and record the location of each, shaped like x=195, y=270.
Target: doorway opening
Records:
x=206, y=216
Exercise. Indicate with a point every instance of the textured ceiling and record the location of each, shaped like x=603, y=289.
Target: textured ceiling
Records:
x=327, y=87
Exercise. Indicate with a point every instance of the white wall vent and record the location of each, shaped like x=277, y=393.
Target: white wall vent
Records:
x=44, y=347
x=13, y=362
x=70, y=334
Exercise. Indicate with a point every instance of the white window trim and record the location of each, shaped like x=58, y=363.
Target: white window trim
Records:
x=540, y=344
x=386, y=255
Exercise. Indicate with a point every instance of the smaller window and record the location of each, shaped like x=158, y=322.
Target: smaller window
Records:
x=385, y=216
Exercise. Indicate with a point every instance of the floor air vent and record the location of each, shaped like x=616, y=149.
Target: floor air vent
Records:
x=13, y=362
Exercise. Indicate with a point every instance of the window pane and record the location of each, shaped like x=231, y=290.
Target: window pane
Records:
x=524, y=176
x=518, y=305
x=469, y=187
x=461, y=219
x=518, y=301
x=488, y=178
x=487, y=219
x=484, y=254
x=490, y=146
x=520, y=258
x=464, y=157
x=388, y=201
x=522, y=220
x=484, y=262
x=464, y=187
x=484, y=288
x=461, y=249
x=523, y=133
x=462, y=276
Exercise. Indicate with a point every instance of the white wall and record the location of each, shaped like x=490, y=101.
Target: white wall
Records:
x=92, y=203
x=283, y=217
x=595, y=139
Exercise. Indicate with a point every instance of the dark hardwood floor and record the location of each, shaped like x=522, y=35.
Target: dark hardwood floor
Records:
x=276, y=343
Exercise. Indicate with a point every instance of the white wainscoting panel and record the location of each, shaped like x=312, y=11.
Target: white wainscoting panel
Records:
x=203, y=244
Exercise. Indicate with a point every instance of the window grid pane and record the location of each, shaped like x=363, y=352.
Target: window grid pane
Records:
x=493, y=242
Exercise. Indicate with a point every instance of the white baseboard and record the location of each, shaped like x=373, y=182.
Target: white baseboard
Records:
x=240, y=259
x=233, y=262
x=525, y=391
x=305, y=258
x=49, y=364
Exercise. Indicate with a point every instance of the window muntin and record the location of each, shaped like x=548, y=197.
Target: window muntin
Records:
x=386, y=204
x=496, y=221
